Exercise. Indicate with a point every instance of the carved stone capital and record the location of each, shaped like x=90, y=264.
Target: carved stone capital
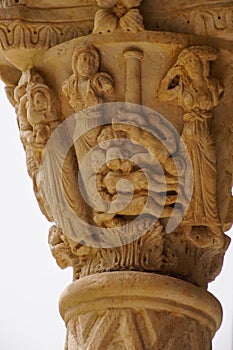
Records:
x=128, y=141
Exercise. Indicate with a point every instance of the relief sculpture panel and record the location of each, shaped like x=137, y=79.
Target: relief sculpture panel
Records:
x=127, y=143
x=129, y=171
x=189, y=83
x=38, y=115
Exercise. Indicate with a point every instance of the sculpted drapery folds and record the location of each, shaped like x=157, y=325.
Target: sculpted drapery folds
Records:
x=87, y=86
x=38, y=116
x=108, y=167
x=117, y=123
x=190, y=83
x=37, y=113
x=125, y=159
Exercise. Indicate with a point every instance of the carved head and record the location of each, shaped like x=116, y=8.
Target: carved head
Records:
x=28, y=77
x=55, y=234
x=39, y=97
x=204, y=237
x=98, y=159
x=114, y=158
x=195, y=61
x=85, y=62
x=106, y=137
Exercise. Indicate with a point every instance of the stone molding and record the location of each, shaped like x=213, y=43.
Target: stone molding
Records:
x=208, y=18
x=141, y=298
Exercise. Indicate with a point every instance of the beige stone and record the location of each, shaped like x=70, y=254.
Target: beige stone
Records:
x=127, y=132
x=131, y=310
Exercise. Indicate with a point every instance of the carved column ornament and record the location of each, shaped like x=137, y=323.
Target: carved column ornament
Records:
x=133, y=76
x=128, y=139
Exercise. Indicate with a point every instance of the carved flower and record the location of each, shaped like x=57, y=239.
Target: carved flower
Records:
x=118, y=14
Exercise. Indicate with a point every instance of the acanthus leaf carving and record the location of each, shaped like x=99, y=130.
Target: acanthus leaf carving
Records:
x=37, y=35
x=195, y=254
x=194, y=250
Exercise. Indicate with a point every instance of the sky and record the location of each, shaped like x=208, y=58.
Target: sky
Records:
x=31, y=282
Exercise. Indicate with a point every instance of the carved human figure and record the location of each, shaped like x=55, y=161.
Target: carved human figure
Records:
x=153, y=122
x=109, y=192
x=93, y=175
x=42, y=112
x=113, y=180
x=61, y=249
x=190, y=83
x=87, y=86
x=117, y=159
x=140, y=180
x=37, y=112
x=136, y=131
x=158, y=207
x=132, y=155
x=37, y=115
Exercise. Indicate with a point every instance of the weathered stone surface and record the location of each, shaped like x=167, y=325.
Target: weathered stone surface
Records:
x=209, y=18
x=138, y=311
x=127, y=131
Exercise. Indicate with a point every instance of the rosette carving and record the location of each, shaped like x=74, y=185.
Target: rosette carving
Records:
x=118, y=15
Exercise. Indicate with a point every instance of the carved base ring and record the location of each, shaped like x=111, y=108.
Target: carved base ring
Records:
x=135, y=310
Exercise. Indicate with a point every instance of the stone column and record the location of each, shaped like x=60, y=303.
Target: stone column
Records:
x=127, y=132
x=133, y=76
x=137, y=310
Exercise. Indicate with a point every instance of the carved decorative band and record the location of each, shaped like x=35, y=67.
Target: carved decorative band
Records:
x=211, y=19
x=46, y=3
x=140, y=290
x=20, y=35
x=23, y=24
x=166, y=6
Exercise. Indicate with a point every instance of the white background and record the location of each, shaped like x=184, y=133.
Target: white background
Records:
x=31, y=282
